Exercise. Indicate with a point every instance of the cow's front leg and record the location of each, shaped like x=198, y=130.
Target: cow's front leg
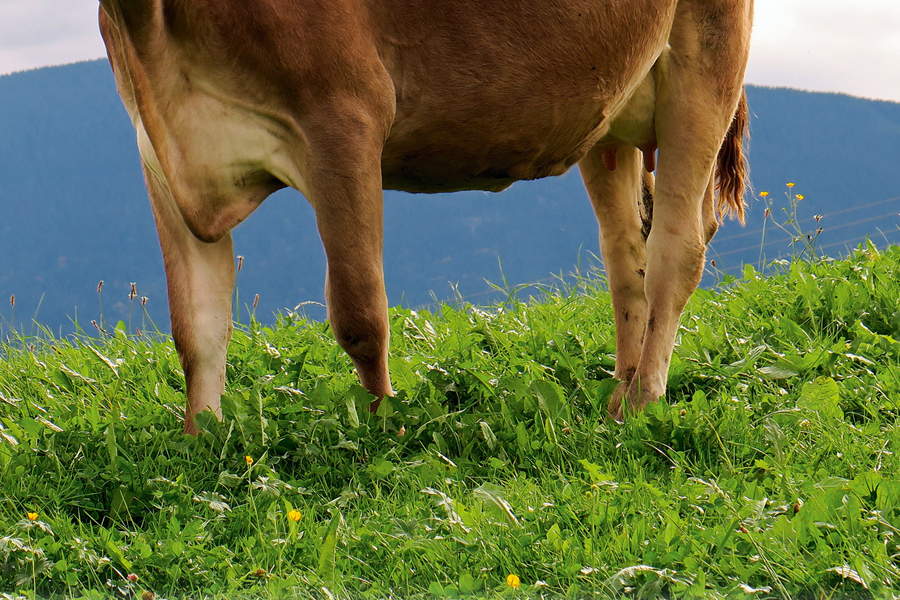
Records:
x=345, y=191
x=200, y=278
x=616, y=197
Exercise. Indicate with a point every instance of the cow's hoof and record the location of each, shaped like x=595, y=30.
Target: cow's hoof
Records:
x=615, y=410
x=628, y=398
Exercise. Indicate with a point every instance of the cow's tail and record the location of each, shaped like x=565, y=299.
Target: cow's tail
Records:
x=731, y=165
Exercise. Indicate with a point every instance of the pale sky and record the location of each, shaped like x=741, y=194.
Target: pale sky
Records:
x=822, y=45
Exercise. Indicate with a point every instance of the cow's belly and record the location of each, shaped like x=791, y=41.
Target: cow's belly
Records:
x=485, y=107
x=490, y=143
x=490, y=152
x=444, y=163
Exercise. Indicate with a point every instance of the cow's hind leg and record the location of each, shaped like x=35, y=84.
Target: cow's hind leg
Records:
x=698, y=92
x=200, y=277
x=617, y=196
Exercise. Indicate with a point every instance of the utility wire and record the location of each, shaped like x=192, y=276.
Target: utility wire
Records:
x=827, y=215
x=730, y=270
x=849, y=243
x=788, y=239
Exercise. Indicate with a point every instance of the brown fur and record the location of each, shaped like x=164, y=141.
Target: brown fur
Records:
x=234, y=99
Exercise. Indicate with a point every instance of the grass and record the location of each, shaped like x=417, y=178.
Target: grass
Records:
x=772, y=470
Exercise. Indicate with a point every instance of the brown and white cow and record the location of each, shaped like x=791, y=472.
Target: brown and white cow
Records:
x=234, y=99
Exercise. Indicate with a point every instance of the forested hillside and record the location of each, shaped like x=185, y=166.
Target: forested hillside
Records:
x=73, y=209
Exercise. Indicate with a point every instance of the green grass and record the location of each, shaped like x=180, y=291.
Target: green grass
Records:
x=771, y=471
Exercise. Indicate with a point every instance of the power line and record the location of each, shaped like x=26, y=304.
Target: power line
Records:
x=850, y=243
x=827, y=215
x=730, y=270
x=856, y=241
x=788, y=239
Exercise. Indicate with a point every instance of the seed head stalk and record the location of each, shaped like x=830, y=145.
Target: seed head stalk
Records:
x=237, y=293
x=100, y=300
x=768, y=211
x=131, y=296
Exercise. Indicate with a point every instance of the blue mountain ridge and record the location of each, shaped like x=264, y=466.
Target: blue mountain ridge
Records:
x=74, y=211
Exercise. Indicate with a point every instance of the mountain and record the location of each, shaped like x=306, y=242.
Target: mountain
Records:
x=840, y=151
x=74, y=211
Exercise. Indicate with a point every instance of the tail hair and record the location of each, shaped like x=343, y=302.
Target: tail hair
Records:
x=731, y=165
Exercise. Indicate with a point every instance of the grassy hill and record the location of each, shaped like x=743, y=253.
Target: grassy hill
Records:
x=771, y=471
x=73, y=209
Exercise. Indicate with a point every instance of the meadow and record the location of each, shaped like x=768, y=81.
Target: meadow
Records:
x=770, y=472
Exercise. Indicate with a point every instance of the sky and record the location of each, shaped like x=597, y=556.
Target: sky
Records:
x=849, y=46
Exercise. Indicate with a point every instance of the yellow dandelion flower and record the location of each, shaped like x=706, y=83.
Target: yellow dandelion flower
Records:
x=32, y=516
x=763, y=194
x=294, y=515
x=800, y=196
x=249, y=460
x=513, y=581
x=791, y=184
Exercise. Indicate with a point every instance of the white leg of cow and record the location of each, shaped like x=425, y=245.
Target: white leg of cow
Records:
x=697, y=97
x=615, y=196
x=200, y=279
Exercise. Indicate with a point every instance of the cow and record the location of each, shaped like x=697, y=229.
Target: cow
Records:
x=234, y=99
